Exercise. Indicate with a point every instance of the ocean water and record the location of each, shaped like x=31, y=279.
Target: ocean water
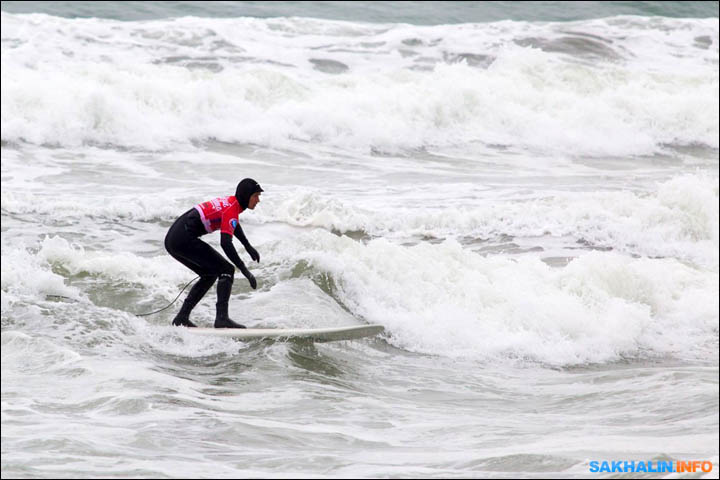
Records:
x=524, y=194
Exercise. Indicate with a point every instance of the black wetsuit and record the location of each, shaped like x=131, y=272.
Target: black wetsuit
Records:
x=183, y=243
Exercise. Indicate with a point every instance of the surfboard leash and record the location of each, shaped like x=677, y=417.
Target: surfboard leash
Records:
x=139, y=314
x=168, y=306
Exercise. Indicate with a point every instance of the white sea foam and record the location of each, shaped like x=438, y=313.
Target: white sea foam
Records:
x=130, y=92
x=445, y=300
x=26, y=275
x=123, y=266
x=148, y=207
x=28, y=270
x=678, y=219
x=32, y=355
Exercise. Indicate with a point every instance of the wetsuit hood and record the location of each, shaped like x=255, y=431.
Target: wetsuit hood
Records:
x=245, y=190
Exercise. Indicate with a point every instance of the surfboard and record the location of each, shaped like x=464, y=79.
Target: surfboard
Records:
x=315, y=334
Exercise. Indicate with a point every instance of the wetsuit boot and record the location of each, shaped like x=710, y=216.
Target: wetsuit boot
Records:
x=222, y=320
x=194, y=296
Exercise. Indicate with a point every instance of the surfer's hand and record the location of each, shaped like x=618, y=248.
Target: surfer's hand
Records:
x=249, y=276
x=251, y=279
x=252, y=252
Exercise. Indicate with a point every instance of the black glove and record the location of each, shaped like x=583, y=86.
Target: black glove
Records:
x=249, y=276
x=252, y=252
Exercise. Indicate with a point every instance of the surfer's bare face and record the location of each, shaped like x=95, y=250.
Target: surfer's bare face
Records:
x=254, y=200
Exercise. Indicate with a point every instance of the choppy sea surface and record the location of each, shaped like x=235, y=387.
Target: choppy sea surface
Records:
x=524, y=194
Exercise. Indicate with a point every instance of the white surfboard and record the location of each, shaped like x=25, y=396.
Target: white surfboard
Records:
x=315, y=334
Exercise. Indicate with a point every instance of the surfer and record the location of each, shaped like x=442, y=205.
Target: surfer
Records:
x=183, y=243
